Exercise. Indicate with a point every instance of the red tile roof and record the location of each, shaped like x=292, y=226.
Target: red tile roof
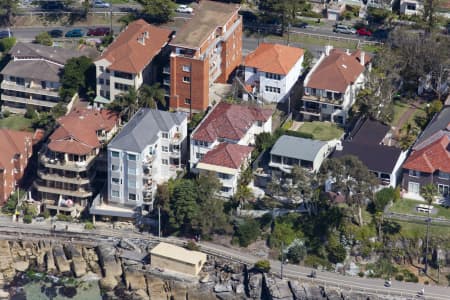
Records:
x=227, y=155
x=336, y=72
x=435, y=156
x=230, y=121
x=12, y=142
x=77, y=132
x=274, y=58
x=127, y=54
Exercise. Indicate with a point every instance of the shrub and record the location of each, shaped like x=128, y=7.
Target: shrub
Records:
x=247, y=232
x=6, y=113
x=43, y=38
x=89, y=226
x=262, y=266
x=45, y=214
x=27, y=219
x=192, y=246
x=30, y=113
x=7, y=43
x=315, y=261
x=399, y=277
x=64, y=218
x=426, y=282
x=361, y=274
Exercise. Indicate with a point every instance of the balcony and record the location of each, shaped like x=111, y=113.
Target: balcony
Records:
x=53, y=205
x=76, y=166
x=176, y=138
x=29, y=88
x=166, y=82
x=28, y=101
x=55, y=177
x=310, y=111
x=321, y=99
x=166, y=70
x=80, y=192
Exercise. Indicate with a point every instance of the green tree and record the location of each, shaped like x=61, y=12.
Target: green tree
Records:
x=296, y=253
x=151, y=96
x=11, y=203
x=308, y=58
x=286, y=10
x=336, y=251
x=8, y=8
x=125, y=104
x=43, y=38
x=158, y=11
x=247, y=232
x=183, y=205
x=283, y=232
x=428, y=192
x=7, y=43
x=78, y=76
x=263, y=266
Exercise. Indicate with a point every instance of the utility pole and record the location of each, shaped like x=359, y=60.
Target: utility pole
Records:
x=159, y=220
x=288, y=33
x=282, y=259
x=110, y=18
x=427, y=241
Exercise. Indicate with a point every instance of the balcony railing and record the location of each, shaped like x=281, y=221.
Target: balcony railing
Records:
x=322, y=99
x=80, y=192
x=166, y=70
x=312, y=111
x=55, y=177
x=77, y=166
x=30, y=88
x=26, y=100
x=166, y=82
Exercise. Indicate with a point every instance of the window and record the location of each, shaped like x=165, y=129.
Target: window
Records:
x=165, y=162
x=273, y=76
x=444, y=175
x=443, y=189
x=414, y=188
x=272, y=89
x=186, y=68
x=114, y=154
x=199, y=155
x=114, y=167
x=115, y=193
x=115, y=180
x=101, y=81
x=259, y=123
x=225, y=189
x=123, y=75
x=108, y=94
x=131, y=183
x=324, y=106
x=132, y=157
x=165, y=149
x=165, y=135
x=186, y=79
x=223, y=176
x=132, y=197
x=414, y=173
x=187, y=101
x=107, y=82
x=121, y=86
x=132, y=170
x=101, y=68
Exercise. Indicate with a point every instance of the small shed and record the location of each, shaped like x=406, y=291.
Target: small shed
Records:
x=174, y=258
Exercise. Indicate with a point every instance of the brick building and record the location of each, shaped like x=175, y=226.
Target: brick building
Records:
x=16, y=147
x=207, y=50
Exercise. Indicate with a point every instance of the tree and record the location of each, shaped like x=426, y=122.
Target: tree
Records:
x=263, y=266
x=382, y=199
x=43, y=38
x=247, y=232
x=429, y=13
x=336, y=251
x=151, y=95
x=183, y=206
x=8, y=8
x=158, y=11
x=296, y=253
x=308, y=58
x=125, y=104
x=7, y=43
x=408, y=134
x=283, y=232
x=428, y=192
x=78, y=76
x=286, y=10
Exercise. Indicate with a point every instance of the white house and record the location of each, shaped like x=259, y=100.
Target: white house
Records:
x=128, y=62
x=411, y=7
x=272, y=70
x=332, y=85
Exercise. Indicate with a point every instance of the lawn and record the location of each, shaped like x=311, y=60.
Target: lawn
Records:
x=312, y=40
x=399, y=109
x=323, y=131
x=408, y=206
x=16, y=122
x=414, y=230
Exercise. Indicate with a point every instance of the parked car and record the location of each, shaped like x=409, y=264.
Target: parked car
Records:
x=184, y=9
x=98, y=31
x=344, y=29
x=56, y=33
x=75, y=33
x=5, y=34
x=100, y=4
x=364, y=31
x=388, y=283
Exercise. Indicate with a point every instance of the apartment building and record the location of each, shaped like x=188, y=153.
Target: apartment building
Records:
x=148, y=151
x=69, y=161
x=31, y=77
x=131, y=60
x=206, y=50
x=271, y=71
x=16, y=148
x=330, y=88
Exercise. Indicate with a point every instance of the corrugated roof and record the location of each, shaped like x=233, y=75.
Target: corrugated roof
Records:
x=178, y=253
x=142, y=130
x=136, y=46
x=274, y=58
x=298, y=148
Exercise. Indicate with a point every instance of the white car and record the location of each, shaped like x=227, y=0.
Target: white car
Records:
x=184, y=9
x=101, y=4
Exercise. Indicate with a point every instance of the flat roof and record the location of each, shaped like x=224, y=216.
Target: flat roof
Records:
x=206, y=19
x=297, y=147
x=178, y=253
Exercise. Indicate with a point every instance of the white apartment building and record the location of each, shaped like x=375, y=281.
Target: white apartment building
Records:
x=271, y=71
x=331, y=87
x=149, y=150
x=128, y=62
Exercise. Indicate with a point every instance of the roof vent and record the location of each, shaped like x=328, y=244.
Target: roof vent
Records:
x=141, y=40
x=81, y=117
x=145, y=34
x=344, y=66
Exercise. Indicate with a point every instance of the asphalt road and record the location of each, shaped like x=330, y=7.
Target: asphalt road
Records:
x=365, y=285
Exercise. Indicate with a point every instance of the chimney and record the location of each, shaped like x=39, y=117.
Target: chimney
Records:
x=328, y=49
x=141, y=40
x=145, y=34
x=347, y=51
x=362, y=58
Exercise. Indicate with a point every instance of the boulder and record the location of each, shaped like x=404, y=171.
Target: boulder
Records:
x=223, y=287
x=135, y=280
x=78, y=263
x=255, y=285
x=50, y=261
x=278, y=288
x=156, y=287
x=140, y=295
x=108, y=283
x=5, y=258
x=240, y=289
x=21, y=266
x=60, y=259
x=298, y=290
x=4, y=294
x=108, y=261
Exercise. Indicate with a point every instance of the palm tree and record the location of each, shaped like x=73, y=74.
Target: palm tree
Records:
x=151, y=96
x=125, y=104
x=428, y=192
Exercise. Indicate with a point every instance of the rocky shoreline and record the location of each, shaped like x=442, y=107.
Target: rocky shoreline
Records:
x=122, y=276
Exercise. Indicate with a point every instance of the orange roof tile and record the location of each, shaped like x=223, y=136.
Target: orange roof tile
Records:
x=127, y=54
x=435, y=156
x=77, y=132
x=336, y=72
x=274, y=58
x=227, y=155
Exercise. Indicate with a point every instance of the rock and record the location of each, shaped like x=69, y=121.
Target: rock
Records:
x=223, y=287
x=78, y=263
x=108, y=283
x=140, y=295
x=255, y=285
x=4, y=294
x=135, y=280
x=277, y=288
x=6, y=260
x=205, y=279
x=50, y=261
x=240, y=289
x=156, y=287
x=90, y=277
x=237, y=277
x=298, y=290
x=226, y=296
x=108, y=262
x=21, y=266
x=60, y=259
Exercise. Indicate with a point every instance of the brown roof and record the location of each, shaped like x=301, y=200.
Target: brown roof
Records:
x=230, y=121
x=274, y=58
x=208, y=16
x=227, y=155
x=12, y=142
x=435, y=156
x=336, y=72
x=128, y=54
x=77, y=132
